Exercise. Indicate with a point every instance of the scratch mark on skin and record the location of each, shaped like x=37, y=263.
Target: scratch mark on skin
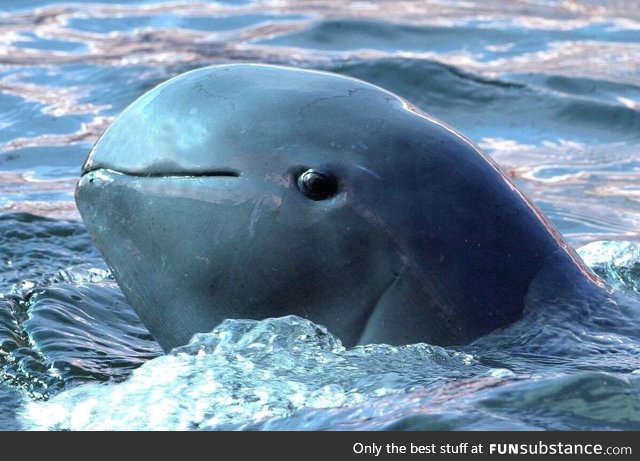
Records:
x=318, y=100
x=255, y=213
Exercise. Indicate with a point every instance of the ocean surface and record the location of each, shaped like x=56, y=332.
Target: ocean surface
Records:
x=550, y=89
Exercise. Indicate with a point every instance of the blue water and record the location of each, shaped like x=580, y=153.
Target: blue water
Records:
x=550, y=89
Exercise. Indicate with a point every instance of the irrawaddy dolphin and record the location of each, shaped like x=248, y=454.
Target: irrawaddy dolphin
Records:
x=255, y=191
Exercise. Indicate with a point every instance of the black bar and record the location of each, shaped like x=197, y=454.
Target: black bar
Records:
x=335, y=446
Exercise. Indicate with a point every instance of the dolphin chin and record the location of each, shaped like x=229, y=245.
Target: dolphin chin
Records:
x=255, y=191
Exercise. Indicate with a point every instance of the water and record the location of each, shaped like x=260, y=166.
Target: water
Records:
x=551, y=89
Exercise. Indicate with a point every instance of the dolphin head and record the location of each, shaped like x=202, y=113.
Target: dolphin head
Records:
x=254, y=191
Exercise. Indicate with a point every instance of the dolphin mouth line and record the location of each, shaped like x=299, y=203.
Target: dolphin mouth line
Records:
x=220, y=173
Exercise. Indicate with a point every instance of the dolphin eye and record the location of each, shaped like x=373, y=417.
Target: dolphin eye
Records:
x=316, y=185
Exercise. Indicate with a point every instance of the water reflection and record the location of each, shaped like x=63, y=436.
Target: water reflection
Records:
x=549, y=89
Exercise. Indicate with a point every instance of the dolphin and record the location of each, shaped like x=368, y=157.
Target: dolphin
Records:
x=255, y=191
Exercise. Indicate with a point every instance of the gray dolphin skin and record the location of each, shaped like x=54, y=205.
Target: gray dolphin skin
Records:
x=255, y=191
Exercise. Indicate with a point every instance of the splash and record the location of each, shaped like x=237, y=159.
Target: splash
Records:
x=289, y=373
x=618, y=263
x=246, y=371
